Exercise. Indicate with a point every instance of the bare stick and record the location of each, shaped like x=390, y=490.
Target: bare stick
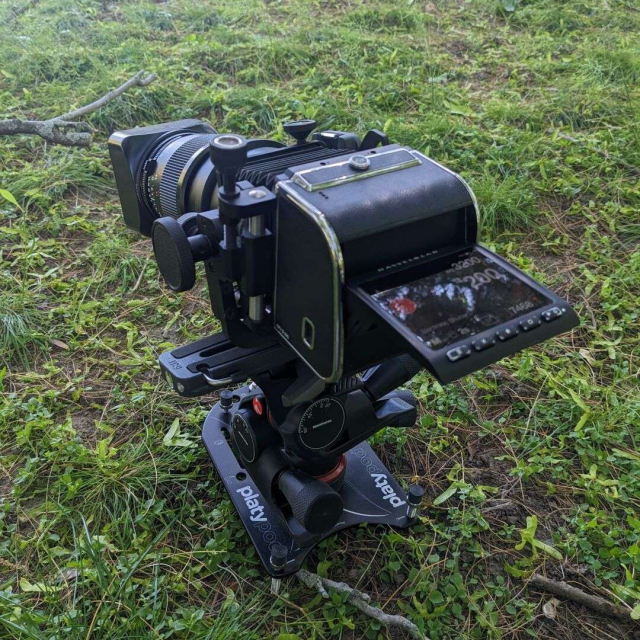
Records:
x=70, y=134
x=503, y=506
x=60, y=130
x=139, y=80
x=563, y=590
x=360, y=601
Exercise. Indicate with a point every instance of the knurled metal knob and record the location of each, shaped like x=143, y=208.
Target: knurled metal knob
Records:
x=314, y=504
x=226, y=400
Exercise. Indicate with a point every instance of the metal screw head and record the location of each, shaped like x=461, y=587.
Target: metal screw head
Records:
x=359, y=163
x=258, y=194
x=180, y=387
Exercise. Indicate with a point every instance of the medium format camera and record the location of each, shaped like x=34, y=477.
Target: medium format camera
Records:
x=338, y=267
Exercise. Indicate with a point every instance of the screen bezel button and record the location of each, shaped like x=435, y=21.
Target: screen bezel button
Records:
x=551, y=314
x=458, y=353
x=530, y=323
x=483, y=343
x=507, y=333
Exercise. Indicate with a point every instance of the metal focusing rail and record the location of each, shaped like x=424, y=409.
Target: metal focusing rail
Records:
x=214, y=362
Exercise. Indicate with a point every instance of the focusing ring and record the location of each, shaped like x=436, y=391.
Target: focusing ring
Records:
x=165, y=188
x=170, y=180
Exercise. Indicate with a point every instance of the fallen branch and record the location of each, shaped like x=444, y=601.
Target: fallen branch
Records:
x=601, y=152
x=61, y=129
x=563, y=590
x=505, y=505
x=360, y=601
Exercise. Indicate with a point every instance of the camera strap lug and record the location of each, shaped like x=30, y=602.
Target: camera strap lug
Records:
x=372, y=139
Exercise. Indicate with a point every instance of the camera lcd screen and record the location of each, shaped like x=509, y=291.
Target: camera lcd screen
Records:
x=473, y=294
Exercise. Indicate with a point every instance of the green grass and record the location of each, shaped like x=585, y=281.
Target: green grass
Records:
x=107, y=531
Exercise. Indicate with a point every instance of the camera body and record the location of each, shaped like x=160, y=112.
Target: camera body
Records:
x=316, y=234
x=337, y=268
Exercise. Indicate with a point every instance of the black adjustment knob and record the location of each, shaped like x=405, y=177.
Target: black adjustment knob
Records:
x=278, y=558
x=315, y=505
x=409, y=419
x=226, y=400
x=176, y=253
x=228, y=152
x=173, y=254
x=414, y=498
x=415, y=494
x=299, y=129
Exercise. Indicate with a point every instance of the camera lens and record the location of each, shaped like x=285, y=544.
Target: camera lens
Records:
x=178, y=176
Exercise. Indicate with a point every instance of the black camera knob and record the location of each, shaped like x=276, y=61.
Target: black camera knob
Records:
x=228, y=152
x=315, y=505
x=176, y=253
x=299, y=129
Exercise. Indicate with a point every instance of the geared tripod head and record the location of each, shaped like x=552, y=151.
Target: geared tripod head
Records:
x=337, y=268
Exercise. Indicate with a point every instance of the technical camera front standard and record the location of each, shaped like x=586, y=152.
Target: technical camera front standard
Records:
x=338, y=268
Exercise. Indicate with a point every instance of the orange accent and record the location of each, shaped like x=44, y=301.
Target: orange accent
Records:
x=335, y=473
x=258, y=406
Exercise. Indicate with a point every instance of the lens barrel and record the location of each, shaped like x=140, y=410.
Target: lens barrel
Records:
x=166, y=170
x=178, y=176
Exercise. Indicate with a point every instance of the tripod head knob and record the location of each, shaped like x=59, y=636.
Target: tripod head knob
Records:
x=228, y=152
x=315, y=505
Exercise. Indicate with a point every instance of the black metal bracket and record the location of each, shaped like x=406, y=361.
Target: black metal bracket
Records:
x=190, y=369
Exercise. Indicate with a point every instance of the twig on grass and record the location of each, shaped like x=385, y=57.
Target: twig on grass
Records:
x=563, y=590
x=61, y=129
x=504, y=505
x=360, y=601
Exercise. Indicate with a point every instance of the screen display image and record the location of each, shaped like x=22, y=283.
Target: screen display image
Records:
x=475, y=293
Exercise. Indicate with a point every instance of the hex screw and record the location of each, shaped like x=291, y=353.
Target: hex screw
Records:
x=414, y=498
x=278, y=561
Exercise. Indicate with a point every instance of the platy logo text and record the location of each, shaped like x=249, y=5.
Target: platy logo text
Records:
x=387, y=491
x=251, y=500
